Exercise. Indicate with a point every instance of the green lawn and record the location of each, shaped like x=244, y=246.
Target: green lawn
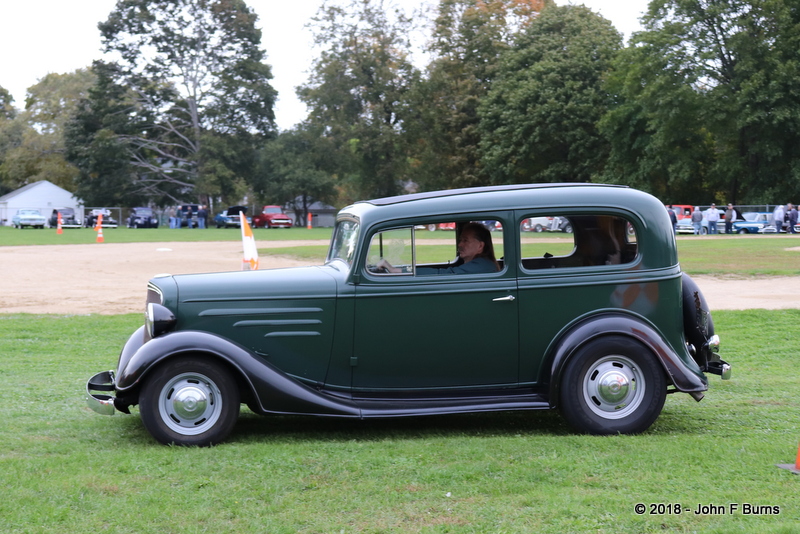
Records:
x=74, y=236
x=65, y=469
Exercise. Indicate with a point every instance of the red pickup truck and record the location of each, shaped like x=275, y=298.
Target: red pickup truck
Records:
x=272, y=217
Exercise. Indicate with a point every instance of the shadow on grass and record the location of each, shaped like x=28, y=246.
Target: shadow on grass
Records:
x=253, y=428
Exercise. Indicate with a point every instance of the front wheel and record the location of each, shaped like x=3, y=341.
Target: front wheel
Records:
x=613, y=385
x=190, y=401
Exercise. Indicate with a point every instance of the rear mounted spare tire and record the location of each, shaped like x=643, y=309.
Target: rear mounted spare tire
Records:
x=698, y=325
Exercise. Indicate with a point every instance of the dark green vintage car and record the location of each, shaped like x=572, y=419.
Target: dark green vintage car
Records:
x=599, y=323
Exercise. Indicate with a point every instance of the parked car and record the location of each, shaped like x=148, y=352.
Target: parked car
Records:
x=187, y=214
x=31, y=218
x=272, y=217
x=142, y=218
x=769, y=227
x=348, y=339
x=685, y=224
x=536, y=224
x=560, y=224
x=108, y=220
x=754, y=222
x=682, y=211
x=230, y=217
x=68, y=218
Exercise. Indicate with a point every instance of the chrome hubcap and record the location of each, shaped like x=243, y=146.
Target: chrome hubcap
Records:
x=613, y=387
x=190, y=404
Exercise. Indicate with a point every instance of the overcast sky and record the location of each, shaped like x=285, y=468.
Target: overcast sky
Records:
x=38, y=37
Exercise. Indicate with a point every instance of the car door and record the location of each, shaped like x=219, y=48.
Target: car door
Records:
x=416, y=332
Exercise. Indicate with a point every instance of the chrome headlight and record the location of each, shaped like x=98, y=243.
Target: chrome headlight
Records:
x=158, y=319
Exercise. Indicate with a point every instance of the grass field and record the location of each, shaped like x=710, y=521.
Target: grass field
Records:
x=77, y=236
x=65, y=469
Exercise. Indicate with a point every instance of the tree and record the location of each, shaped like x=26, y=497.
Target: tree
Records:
x=729, y=73
x=7, y=110
x=34, y=138
x=539, y=120
x=292, y=170
x=356, y=95
x=658, y=142
x=95, y=145
x=468, y=39
x=196, y=70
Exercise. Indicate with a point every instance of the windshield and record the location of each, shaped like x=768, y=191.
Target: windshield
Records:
x=272, y=210
x=345, y=239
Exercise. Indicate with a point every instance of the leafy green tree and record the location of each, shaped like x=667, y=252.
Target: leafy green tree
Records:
x=469, y=36
x=10, y=134
x=292, y=170
x=712, y=90
x=539, y=120
x=655, y=129
x=35, y=145
x=95, y=144
x=197, y=72
x=7, y=110
x=356, y=95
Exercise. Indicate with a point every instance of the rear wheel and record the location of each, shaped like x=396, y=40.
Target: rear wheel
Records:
x=190, y=401
x=613, y=385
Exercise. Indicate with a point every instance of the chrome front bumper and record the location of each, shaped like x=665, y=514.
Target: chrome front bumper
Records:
x=102, y=403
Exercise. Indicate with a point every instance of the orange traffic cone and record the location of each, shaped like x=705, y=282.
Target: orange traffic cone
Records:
x=99, y=228
x=309, y=221
x=793, y=468
x=59, y=230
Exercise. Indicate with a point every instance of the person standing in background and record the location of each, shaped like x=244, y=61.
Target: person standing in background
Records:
x=777, y=217
x=673, y=218
x=712, y=216
x=730, y=216
x=792, y=213
x=697, y=220
x=202, y=217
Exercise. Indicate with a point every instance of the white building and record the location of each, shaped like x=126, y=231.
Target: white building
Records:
x=42, y=195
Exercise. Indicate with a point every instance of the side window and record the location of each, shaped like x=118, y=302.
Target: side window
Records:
x=438, y=248
x=561, y=241
x=390, y=250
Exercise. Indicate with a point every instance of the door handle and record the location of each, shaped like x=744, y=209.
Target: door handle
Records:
x=510, y=298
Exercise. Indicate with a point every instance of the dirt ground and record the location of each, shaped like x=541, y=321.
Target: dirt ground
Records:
x=109, y=278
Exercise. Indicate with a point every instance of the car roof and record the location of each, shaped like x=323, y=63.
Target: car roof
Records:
x=654, y=229
x=506, y=197
x=474, y=190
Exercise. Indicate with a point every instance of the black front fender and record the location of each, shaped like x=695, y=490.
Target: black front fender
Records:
x=679, y=373
x=274, y=391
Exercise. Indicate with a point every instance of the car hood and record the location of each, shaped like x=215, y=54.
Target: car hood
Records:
x=241, y=287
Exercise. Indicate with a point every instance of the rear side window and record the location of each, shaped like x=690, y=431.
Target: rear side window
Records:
x=564, y=241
